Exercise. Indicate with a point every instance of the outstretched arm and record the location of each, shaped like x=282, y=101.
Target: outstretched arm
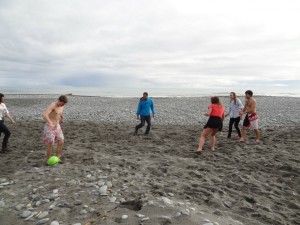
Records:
x=208, y=111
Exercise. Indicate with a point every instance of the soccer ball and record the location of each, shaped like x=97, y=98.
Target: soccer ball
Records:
x=53, y=160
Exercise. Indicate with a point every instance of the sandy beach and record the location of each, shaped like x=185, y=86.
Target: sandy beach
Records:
x=110, y=176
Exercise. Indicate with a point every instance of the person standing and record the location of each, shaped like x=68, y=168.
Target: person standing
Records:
x=251, y=118
x=213, y=125
x=3, y=129
x=234, y=109
x=52, y=130
x=143, y=112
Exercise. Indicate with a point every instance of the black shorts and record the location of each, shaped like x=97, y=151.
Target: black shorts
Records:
x=246, y=122
x=214, y=122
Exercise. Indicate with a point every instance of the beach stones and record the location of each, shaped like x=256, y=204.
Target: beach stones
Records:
x=2, y=204
x=43, y=215
x=25, y=214
x=103, y=190
x=124, y=217
x=43, y=221
x=166, y=201
x=20, y=206
x=54, y=223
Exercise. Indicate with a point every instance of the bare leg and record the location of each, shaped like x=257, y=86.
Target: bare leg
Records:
x=257, y=134
x=203, y=137
x=49, y=151
x=243, y=135
x=59, y=148
x=213, y=139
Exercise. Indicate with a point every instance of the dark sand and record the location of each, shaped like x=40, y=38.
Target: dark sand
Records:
x=240, y=183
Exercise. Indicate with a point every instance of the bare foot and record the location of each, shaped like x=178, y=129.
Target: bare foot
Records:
x=241, y=140
x=199, y=151
x=213, y=149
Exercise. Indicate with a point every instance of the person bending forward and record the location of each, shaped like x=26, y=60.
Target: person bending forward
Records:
x=52, y=130
x=213, y=125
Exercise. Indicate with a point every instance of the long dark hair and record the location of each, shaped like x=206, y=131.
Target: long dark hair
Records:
x=234, y=95
x=1, y=97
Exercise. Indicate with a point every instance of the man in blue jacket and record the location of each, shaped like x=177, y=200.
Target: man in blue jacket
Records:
x=143, y=112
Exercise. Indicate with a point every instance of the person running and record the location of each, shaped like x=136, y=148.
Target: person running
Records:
x=234, y=109
x=52, y=130
x=214, y=123
x=251, y=119
x=4, y=114
x=143, y=112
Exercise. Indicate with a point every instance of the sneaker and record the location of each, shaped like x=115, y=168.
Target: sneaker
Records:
x=136, y=131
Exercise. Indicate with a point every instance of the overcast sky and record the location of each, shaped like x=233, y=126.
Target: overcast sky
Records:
x=153, y=43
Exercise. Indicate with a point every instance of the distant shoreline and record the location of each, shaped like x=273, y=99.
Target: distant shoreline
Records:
x=153, y=96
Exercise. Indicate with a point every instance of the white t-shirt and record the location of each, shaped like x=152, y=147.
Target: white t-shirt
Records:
x=3, y=111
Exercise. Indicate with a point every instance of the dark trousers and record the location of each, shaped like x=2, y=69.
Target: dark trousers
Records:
x=236, y=122
x=5, y=130
x=143, y=120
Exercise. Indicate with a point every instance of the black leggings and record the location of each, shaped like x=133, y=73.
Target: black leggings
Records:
x=236, y=122
x=6, y=132
x=143, y=120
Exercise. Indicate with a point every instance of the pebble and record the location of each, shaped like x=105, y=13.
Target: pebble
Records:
x=25, y=214
x=227, y=204
x=112, y=199
x=208, y=224
x=43, y=221
x=145, y=219
x=124, y=217
x=101, y=183
x=20, y=206
x=45, y=201
x=2, y=180
x=2, y=204
x=43, y=215
x=165, y=217
x=166, y=201
x=51, y=207
x=53, y=196
x=109, y=184
x=54, y=223
x=4, y=184
x=89, y=184
x=38, y=203
x=92, y=210
x=82, y=212
x=77, y=224
x=140, y=215
x=103, y=190
x=55, y=191
x=178, y=214
x=171, y=194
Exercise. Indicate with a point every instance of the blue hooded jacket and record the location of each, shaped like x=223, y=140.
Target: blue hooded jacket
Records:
x=144, y=107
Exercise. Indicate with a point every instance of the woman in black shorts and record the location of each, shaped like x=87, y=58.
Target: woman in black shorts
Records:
x=213, y=125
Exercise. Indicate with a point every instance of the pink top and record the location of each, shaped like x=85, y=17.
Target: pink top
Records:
x=217, y=110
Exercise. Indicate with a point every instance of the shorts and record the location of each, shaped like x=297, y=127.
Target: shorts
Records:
x=214, y=122
x=52, y=135
x=251, y=121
